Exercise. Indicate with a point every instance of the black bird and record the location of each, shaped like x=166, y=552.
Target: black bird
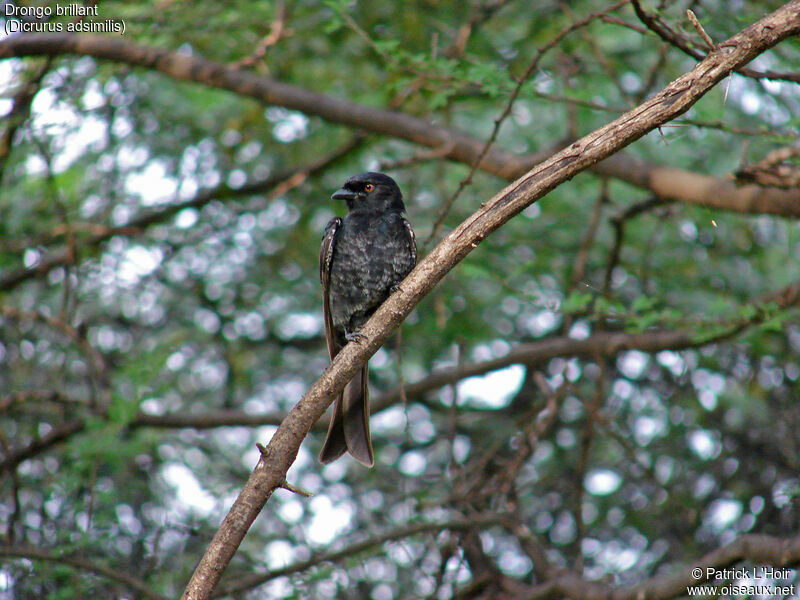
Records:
x=363, y=259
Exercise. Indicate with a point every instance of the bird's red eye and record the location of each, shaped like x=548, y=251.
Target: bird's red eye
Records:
x=369, y=187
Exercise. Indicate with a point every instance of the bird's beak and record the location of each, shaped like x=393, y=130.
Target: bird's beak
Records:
x=343, y=194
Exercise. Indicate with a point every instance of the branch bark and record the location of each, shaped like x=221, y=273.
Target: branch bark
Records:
x=665, y=182
x=282, y=449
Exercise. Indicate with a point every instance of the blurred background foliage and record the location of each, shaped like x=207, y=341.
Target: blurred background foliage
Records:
x=160, y=308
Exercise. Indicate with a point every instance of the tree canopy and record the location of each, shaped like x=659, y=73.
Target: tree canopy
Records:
x=595, y=385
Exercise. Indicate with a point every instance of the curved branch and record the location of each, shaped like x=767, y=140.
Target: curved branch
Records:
x=277, y=183
x=668, y=183
x=758, y=549
x=247, y=582
x=282, y=449
x=53, y=437
x=115, y=575
x=265, y=89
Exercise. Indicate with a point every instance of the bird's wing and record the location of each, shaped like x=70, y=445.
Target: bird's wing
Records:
x=325, y=260
x=412, y=238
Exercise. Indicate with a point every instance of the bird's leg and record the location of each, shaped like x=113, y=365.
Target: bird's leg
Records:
x=396, y=287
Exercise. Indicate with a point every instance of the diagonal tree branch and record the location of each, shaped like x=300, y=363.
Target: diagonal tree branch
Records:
x=668, y=183
x=672, y=101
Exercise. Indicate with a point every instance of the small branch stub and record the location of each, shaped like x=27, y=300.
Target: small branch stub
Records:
x=293, y=488
x=696, y=22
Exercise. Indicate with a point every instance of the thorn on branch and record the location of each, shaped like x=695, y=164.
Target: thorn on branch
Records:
x=277, y=31
x=293, y=488
x=706, y=38
x=663, y=137
x=284, y=484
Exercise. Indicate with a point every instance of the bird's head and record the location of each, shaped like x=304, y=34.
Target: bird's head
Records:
x=371, y=191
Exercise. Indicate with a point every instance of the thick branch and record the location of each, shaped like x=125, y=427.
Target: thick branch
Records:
x=668, y=183
x=282, y=449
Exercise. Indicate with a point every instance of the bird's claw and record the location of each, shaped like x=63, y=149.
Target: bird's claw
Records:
x=354, y=337
x=395, y=288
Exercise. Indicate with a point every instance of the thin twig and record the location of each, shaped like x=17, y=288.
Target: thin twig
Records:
x=498, y=122
x=277, y=31
x=706, y=38
x=667, y=34
x=77, y=562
